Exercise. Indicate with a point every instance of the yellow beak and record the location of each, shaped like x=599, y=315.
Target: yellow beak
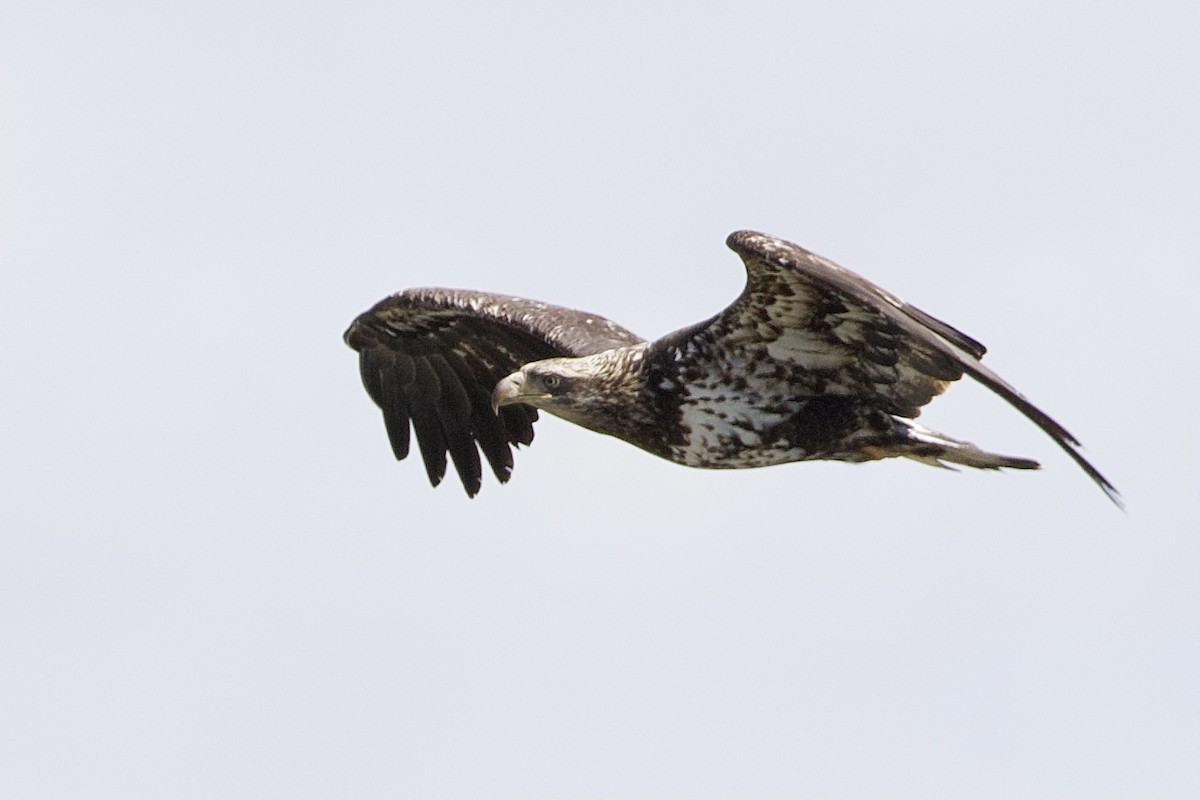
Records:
x=507, y=391
x=512, y=390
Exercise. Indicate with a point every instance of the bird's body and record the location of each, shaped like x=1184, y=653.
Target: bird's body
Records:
x=810, y=362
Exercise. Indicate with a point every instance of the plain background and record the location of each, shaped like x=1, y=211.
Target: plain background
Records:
x=215, y=581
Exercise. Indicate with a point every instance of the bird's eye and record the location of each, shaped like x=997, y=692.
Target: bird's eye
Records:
x=551, y=381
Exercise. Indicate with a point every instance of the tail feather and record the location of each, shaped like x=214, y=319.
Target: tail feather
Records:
x=938, y=450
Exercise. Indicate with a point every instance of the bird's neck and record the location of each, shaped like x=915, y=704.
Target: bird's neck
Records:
x=612, y=400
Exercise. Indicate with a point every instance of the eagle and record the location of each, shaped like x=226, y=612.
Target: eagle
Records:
x=810, y=362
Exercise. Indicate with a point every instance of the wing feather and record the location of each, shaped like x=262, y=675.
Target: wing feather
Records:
x=454, y=412
x=430, y=358
x=421, y=397
x=859, y=339
x=391, y=396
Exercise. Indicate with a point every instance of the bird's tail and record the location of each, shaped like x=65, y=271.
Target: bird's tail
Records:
x=938, y=450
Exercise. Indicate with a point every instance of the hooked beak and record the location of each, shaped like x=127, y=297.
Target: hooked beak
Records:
x=512, y=390
x=507, y=391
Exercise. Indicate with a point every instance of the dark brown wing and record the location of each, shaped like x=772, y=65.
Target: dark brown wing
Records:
x=831, y=331
x=432, y=357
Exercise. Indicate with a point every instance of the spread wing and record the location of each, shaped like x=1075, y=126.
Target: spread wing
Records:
x=825, y=330
x=431, y=357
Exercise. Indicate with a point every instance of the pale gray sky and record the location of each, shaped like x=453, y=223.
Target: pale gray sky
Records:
x=216, y=582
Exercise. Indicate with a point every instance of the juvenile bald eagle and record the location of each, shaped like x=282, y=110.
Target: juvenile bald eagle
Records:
x=810, y=362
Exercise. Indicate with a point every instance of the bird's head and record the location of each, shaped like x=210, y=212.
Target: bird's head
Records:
x=543, y=384
x=591, y=391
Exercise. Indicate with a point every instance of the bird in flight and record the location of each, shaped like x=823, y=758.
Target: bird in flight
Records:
x=810, y=362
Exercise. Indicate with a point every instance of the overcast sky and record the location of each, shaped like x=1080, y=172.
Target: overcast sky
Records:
x=215, y=580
